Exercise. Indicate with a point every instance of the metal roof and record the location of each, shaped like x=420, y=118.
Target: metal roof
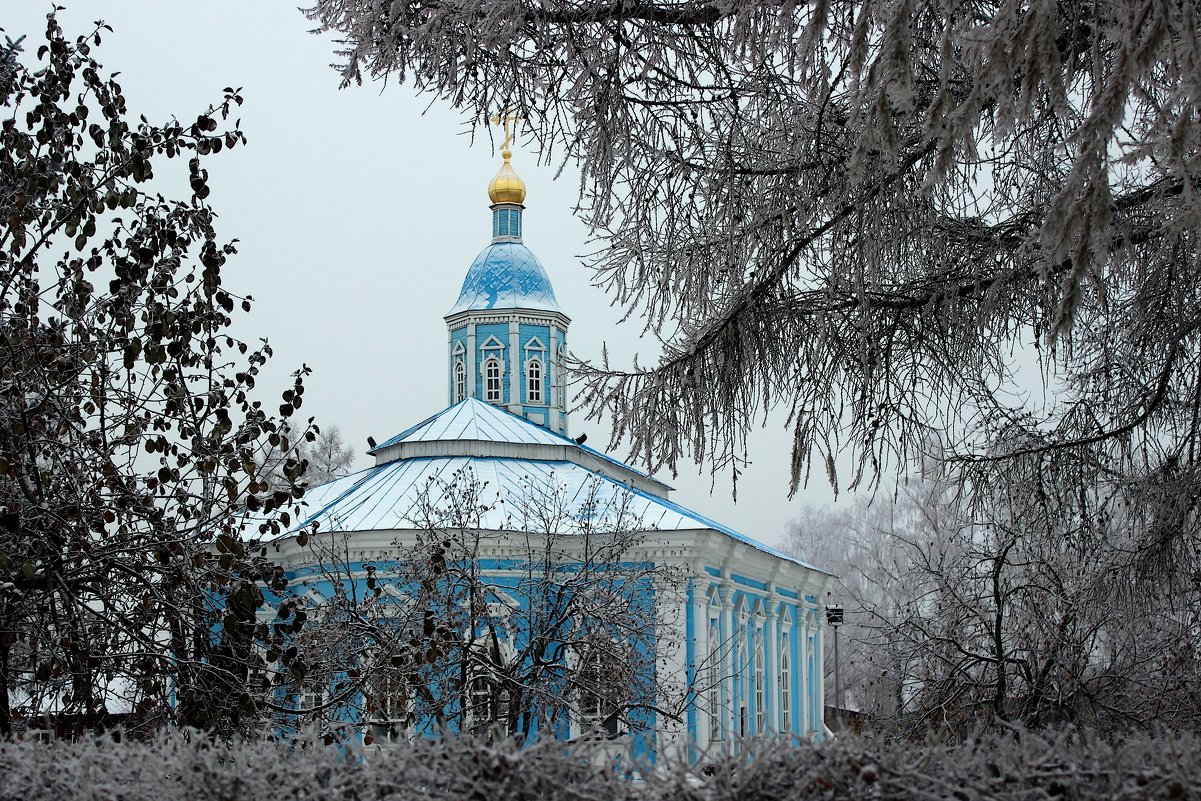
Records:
x=514, y=495
x=475, y=420
x=506, y=275
x=472, y=420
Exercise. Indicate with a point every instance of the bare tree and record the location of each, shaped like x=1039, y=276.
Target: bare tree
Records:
x=964, y=612
x=552, y=624
x=129, y=433
x=875, y=585
x=325, y=458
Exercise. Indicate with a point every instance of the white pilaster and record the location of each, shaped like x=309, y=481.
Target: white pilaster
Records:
x=472, y=375
x=771, y=668
x=516, y=371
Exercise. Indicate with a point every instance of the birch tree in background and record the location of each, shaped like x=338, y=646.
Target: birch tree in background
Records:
x=860, y=213
x=325, y=458
x=328, y=456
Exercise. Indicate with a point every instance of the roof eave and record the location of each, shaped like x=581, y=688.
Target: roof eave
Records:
x=461, y=316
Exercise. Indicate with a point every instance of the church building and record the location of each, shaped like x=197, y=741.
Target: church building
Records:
x=536, y=585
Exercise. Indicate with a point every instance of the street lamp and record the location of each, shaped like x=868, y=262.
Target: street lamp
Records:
x=834, y=619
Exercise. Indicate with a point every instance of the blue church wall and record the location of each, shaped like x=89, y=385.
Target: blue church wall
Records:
x=492, y=334
x=311, y=585
x=527, y=333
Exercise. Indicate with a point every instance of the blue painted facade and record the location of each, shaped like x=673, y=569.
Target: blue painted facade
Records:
x=751, y=662
x=313, y=585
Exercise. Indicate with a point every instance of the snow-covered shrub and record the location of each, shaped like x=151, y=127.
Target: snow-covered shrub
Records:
x=1022, y=766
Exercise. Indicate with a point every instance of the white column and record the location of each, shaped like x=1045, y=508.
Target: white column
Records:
x=771, y=668
x=786, y=629
x=820, y=668
x=472, y=376
x=671, y=661
x=699, y=646
x=555, y=375
x=516, y=373
x=729, y=651
x=802, y=634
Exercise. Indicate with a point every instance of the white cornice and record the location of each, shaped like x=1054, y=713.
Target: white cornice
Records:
x=683, y=548
x=531, y=316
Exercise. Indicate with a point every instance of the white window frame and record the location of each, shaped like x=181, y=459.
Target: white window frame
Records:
x=592, y=709
x=785, y=684
x=310, y=699
x=477, y=710
x=713, y=678
x=534, y=383
x=390, y=724
x=494, y=385
x=460, y=380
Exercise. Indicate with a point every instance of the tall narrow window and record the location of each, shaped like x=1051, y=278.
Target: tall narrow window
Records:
x=713, y=678
x=479, y=712
x=785, y=686
x=492, y=392
x=389, y=708
x=743, y=681
x=760, y=705
x=460, y=380
x=533, y=381
x=598, y=679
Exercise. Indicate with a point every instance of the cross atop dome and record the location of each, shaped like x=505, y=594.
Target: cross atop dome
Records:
x=508, y=336
x=507, y=186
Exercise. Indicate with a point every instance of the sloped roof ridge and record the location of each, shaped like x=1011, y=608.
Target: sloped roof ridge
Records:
x=479, y=408
x=403, y=435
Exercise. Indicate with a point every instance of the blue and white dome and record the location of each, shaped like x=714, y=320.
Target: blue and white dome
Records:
x=506, y=275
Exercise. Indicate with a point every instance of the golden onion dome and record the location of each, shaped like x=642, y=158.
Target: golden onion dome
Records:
x=506, y=187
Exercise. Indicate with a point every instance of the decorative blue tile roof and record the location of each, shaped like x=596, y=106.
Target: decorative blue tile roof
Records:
x=506, y=275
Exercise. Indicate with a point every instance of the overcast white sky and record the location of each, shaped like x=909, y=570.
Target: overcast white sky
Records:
x=358, y=212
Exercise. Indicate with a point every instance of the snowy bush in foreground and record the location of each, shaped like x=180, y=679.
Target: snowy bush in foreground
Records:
x=1023, y=766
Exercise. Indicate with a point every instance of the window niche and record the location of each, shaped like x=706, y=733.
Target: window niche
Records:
x=460, y=381
x=785, y=683
x=535, y=371
x=492, y=369
x=600, y=697
x=493, y=387
x=713, y=679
